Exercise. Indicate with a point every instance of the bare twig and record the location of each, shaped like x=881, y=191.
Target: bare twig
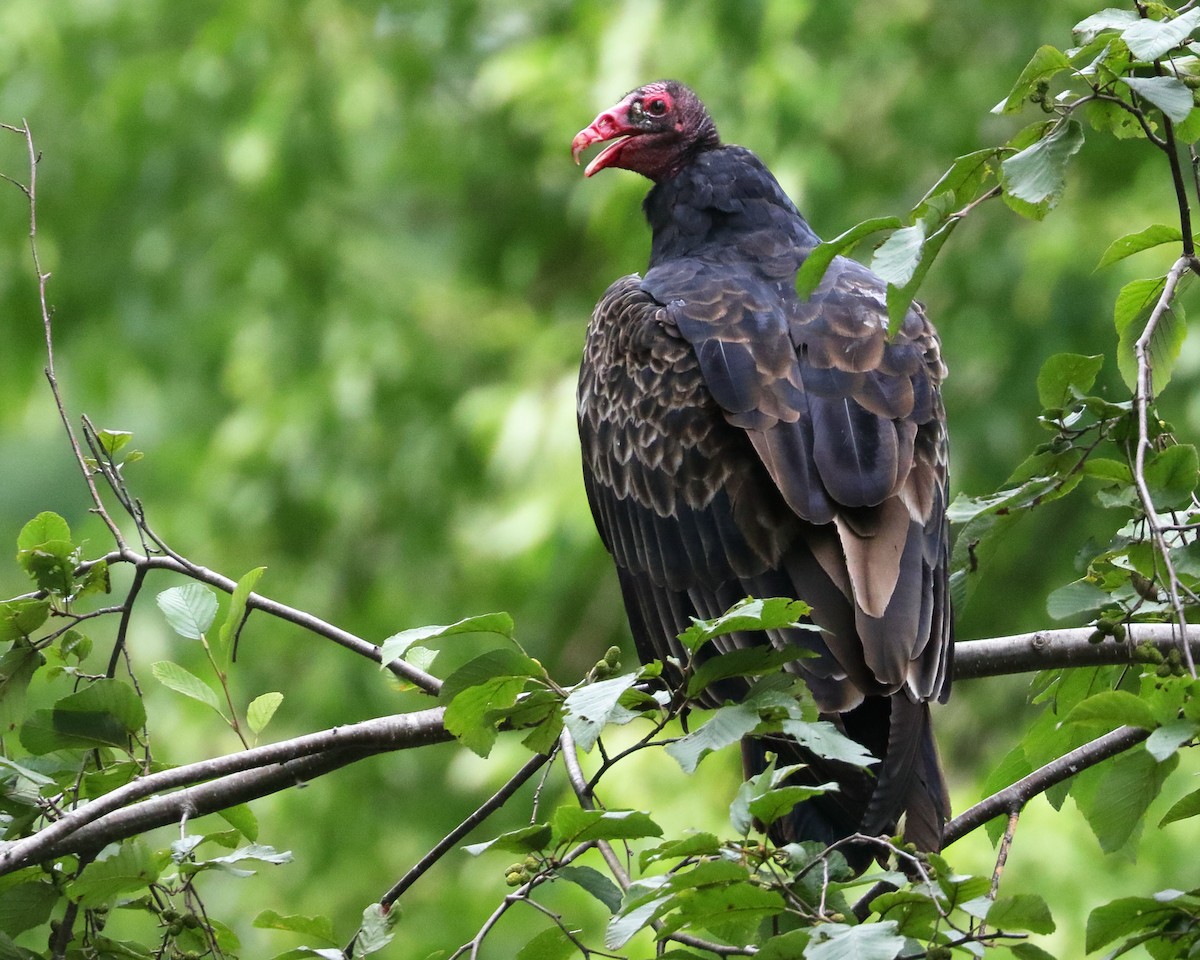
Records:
x=1010, y=831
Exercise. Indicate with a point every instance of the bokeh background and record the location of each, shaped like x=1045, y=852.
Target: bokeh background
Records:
x=331, y=263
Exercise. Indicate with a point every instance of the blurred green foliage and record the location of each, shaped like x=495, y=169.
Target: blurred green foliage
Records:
x=331, y=264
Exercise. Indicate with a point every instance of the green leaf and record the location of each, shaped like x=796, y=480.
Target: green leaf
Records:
x=1112, y=709
x=551, y=944
x=104, y=713
x=320, y=928
x=776, y=803
x=692, y=845
x=1183, y=809
x=115, y=872
x=825, y=740
x=231, y=862
x=1046, y=63
x=525, y=840
x=242, y=819
x=622, y=927
x=189, y=609
x=26, y=905
x=1112, y=18
x=1037, y=175
x=869, y=941
x=1153, y=236
x=589, y=707
x=46, y=553
x=1105, y=469
x=472, y=714
x=1168, y=738
x=396, y=645
x=262, y=708
x=899, y=299
x=743, y=662
x=1065, y=375
x=1030, y=951
x=897, y=257
x=1150, y=39
x=733, y=911
x=19, y=618
x=727, y=725
x=572, y=825
x=786, y=946
x=1023, y=911
x=1171, y=476
x=595, y=883
x=1169, y=94
x=17, y=668
x=183, y=681
x=1135, y=303
x=1123, y=916
x=376, y=930
x=771, y=614
x=813, y=269
x=1114, y=796
x=113, y=441
x=223, y=648
x=1080, y=596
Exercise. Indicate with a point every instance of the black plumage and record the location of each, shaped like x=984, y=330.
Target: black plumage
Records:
x=739, y=441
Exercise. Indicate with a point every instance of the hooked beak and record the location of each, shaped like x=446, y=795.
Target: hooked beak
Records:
x=613, y=124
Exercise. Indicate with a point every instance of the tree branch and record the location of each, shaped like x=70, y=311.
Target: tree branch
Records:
x=233, y=779
x=1072, y=647
x=1015, y=796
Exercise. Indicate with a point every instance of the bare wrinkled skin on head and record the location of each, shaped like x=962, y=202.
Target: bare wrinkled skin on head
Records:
x=655, y=131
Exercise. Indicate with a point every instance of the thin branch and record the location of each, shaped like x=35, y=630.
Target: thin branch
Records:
x=1015, y=796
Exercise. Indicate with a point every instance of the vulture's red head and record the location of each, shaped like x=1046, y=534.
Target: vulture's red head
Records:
x=656, y=130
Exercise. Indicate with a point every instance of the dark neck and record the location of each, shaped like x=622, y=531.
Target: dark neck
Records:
x=723, y=200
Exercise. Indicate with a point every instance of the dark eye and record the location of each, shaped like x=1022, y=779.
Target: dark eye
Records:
x=656, y=107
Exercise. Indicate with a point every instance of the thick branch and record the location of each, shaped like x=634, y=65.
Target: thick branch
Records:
x=1051, y=649
x=232, y=779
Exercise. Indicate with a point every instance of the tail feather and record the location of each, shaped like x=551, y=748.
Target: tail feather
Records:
x=906, y=782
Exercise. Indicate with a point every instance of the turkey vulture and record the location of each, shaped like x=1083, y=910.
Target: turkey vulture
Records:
x=740, y=441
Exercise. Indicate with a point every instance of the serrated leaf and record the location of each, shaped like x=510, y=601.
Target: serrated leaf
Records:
x=595, y=883
x=727, y=725
x=733, y=910
x=320, y=928
x=1111, y=18
x=183, y=681
x=1153, y=236
x=825, y=740
x=1112, y=709
x=572, y=825
x=1023, y=911
x=1066, y=374
x=1183, y=809
x=1123, y=916
x=551, y=944
x=19, y=618
x=1135, y=302
x=471, y=714
x=1081, y=596
x=394, y=646
x=813, y=269
x=120, y=871
x=1037, y=174
x=223, y=648
x=770, y=806
x=743, y=662
x=622, y=927
x=1169, y=94
x=26, y=905
x=104, y=713
x=376, y=931
x=897, y=257
x=773, y=613
x=589, y=707
x=1047, y=62
x=1150, y=39
x=869, y=941
x=693, y=845
x=262, y=708
x=1114, y=796
x=525, y=840
x=1171, y=476
x=189, y=609
x=1168, y=738
x=46, y=527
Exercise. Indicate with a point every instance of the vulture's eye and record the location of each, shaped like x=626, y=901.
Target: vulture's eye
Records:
x=656, y=107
